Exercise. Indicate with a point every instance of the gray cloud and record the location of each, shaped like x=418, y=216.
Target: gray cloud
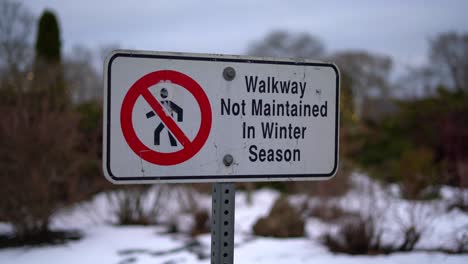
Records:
x=398, y=28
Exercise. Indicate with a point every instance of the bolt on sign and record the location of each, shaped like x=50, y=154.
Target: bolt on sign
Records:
x=179, y=117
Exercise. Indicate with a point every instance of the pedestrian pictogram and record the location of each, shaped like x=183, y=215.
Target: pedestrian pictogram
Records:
x=165, y=110
x=172, y=108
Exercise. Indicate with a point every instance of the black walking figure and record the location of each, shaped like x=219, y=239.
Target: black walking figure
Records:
x=172, y=107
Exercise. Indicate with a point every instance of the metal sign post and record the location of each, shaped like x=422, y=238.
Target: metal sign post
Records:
x=222, y=223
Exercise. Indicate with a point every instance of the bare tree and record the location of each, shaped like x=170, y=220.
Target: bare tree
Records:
x=82, y=78
x=449, y=58
x=369, y=74
x=102, y=53
x=16, y=24
x=417, y=82
x=285, y=44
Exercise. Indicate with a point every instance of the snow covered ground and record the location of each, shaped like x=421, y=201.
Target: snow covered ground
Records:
x=106, y=243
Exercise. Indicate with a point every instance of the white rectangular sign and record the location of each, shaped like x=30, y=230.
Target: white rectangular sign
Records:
x=178, y=117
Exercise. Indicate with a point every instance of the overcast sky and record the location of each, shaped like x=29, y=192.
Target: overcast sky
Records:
x=400, y=29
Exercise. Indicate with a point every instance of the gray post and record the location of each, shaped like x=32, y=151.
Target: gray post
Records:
x=222, y=223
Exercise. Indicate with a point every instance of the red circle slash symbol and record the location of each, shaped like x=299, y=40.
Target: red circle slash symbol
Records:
x=141, y=88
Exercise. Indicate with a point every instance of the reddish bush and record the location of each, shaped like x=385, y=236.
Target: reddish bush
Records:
x=38, y=160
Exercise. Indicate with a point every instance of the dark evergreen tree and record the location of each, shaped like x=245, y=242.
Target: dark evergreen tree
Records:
x=48, y=72
x=48, y=43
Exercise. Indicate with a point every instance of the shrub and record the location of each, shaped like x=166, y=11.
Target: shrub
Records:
x=361, y=233
x=91, y=179
x=461, y=240
x=138, y=204
x=427, y=135
x=414, y=219
x=328, y=212
x=460, y=201
x=282, y=221
x=201, y=223
x=418, y=173
x=40, y=238
x=38, y=159
x=356, y=235
x=335, y=187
